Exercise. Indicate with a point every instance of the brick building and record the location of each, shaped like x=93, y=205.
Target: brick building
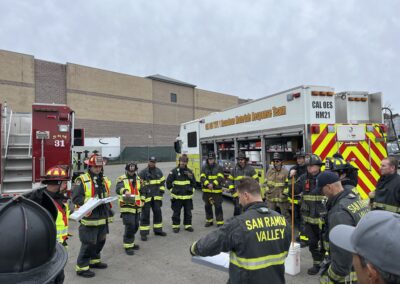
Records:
x=142, y=111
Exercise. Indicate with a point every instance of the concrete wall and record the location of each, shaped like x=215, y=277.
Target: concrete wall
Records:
x=17, y=85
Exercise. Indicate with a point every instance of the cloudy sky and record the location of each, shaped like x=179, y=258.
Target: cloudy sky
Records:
x=244, y=48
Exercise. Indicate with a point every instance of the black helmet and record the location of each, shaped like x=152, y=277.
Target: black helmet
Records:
x=313, y=160
x=241, y=156
x=211, y=155
x=29, y=251
x=300, y=154
x=336, y=164
x=277, y=157
x=131, y=166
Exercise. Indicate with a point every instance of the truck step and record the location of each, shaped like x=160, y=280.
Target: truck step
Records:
x=14, y=179
x=19, y=168
x=18, y=146
x=18, y=157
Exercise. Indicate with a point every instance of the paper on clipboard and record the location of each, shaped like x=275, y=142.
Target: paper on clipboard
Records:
x=129, y=198
x=89, y=206
x=219, y=261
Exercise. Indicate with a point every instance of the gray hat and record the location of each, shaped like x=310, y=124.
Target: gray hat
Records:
x=376, y=238
x=152, y=159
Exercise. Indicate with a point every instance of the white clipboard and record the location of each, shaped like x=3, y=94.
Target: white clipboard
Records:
x=219, y=261
x=89, y=206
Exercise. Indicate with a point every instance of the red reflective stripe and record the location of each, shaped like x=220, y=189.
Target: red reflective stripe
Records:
x=319, y=140
x=376, y=151
x=328, y=147
x=366, y=156
x=93, y=192
x=134, y=191
x=62, y=212
x=365, y=171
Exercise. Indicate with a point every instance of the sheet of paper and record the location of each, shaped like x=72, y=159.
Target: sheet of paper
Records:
x=219, y=261
x=85, y=209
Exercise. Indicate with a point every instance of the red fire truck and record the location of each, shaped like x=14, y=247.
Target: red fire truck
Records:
x=33, y=142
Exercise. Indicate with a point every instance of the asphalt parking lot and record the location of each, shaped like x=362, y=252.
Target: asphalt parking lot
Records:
x=160, y=259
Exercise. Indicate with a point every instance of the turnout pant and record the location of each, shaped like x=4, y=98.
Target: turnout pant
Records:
x=283, y=208
x=155, y=206
x=237, y=208
x=92, y=240
x=176, y=205
x=210, y=200
x=313, y=233
x=131, y=223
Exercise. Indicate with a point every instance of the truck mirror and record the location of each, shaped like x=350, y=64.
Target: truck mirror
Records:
x=177, y=146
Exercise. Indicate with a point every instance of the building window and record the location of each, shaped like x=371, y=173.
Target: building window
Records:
x=174, y=98
x=192, y=139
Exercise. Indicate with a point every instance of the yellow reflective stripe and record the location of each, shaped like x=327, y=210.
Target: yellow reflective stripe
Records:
x=277, y=199
x=181, y=182
x=183, y=197
x=203, y=175
x=339, y=278
x=187, y=226
x=231, y=186
x=129, y=245
x=157, y=197
x=231, y=177
x=212, y=190
x=94, y=261
x=303, y=238
x=110, y=219
x=209, y=220
x=148, y=199
x=255, y=176
x=84, y=268
x=156, y=181
x=216, y=182
x=315, y=221
x=238, y=178
x=220, y=222
x=259, y=262
x=295, y=201
x=220, y=175
x=130, y=210
x=157, y=225
x=162, y=188
x=175, y=226
x=206, y=182
x=93, y=222
x=144, y=228
x=313, y=197
x=387, y=207
x=235, y=194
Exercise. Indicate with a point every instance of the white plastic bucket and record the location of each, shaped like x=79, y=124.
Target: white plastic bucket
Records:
x=292, y=262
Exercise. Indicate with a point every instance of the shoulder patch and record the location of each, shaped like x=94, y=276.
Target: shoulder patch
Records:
x=263, y=210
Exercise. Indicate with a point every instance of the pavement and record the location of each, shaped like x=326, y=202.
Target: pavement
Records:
x=160, y=259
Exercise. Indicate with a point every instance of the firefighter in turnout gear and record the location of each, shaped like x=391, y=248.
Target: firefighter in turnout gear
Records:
x=342, y=169
x=296, y=171
x=181, y=183
x=153, y=189
x=312, y=209
x=387, y=193
x=344, y=208
x=211, y=179
x=258, y=240
x=241, y=170
x=277, y=186
x=130, y=203
x=94, y=227
x=56, y=181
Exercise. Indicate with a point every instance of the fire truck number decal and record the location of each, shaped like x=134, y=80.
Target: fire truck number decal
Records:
x=322, y=110
x=59, y=143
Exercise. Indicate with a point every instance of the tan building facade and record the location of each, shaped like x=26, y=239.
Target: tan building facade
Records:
x=141, y=110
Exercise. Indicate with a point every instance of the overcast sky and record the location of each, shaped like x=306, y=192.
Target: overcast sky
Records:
x=245, y=48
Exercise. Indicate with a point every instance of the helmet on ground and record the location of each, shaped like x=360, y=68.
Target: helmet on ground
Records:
x=336, y=164
x=184, y=158
x=95, y=161
x=241, y=156
x=56, y=173
x=300, y=154
x=211, y=155
x=313, y=160
x=131, y=166
x=29, y=251
x=277, y=157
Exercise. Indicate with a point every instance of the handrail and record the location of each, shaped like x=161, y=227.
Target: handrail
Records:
x=8, y=134
x=30, y=141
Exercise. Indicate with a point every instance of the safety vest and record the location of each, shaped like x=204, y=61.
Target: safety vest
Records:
x=134, y=190
x=90, y=192
x=62, y=221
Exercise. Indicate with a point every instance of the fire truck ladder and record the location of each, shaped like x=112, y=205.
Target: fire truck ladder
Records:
x=18, y=154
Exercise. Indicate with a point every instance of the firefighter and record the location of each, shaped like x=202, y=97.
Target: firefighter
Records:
x=153, y=189
x=181, y=183
x=130, y=202
x=258, y=240
x=312, y=209
x=295, y=172
x=277, y=186
x=387, y=192
x=56, y=181
x=93, y=228
x=241, y=170
x=344, y=207
x=342, y=168
x=29, y=250
x=211, y=179
x=351, y=172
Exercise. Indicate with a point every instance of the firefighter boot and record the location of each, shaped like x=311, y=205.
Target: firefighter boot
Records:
x=98, y=265
x=189, y=229
x=162, y=234
x=129, y=251
x=176, y=230
x=208, y=224
x=86, y=273
x=136, y=247
x=143, y=238
x=314, y=269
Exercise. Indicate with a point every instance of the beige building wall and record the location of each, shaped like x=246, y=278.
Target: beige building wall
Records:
x=17, y=84
x=212, y=100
